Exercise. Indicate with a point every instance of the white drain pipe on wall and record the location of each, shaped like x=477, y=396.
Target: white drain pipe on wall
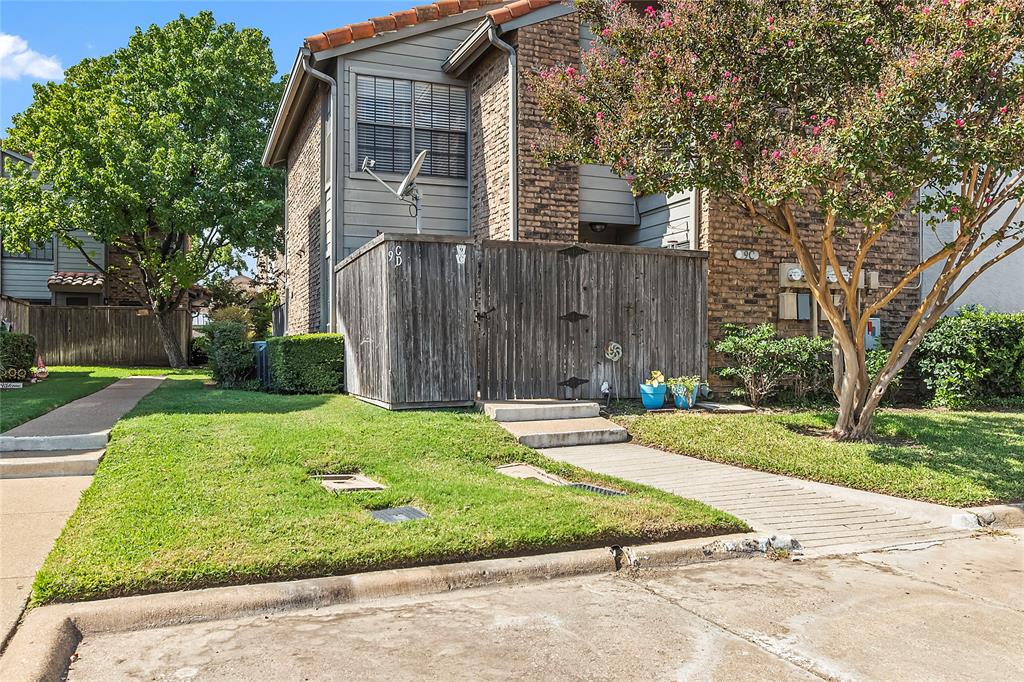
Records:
x=513, y=142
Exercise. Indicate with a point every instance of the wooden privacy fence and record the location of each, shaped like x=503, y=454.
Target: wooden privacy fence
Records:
x=14, y=312
x=103, y=335
x=435, y=321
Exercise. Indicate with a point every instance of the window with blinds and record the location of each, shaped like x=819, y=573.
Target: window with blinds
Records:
x=397, y=119
x=40, y=251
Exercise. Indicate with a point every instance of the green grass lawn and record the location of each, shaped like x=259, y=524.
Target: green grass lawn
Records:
x=954, y=458
x=205, y=487
x=63, y=385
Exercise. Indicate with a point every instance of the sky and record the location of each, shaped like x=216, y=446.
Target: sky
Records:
x=38, y=39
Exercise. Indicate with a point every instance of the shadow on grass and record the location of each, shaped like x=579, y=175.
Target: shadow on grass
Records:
x=184, y=395
x=987, y=448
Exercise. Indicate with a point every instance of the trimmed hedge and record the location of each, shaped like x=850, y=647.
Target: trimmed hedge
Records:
x=17, y=356
x=974, y=357
x=306, y=363
x=231, y=355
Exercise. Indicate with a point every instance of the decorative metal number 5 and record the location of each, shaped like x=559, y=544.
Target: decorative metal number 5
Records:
x=613, y=351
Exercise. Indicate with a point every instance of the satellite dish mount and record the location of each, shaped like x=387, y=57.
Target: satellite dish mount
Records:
x=407, y=190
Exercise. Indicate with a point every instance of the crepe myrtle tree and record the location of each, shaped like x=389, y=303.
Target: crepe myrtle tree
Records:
x=154, y=151
x=860, y=110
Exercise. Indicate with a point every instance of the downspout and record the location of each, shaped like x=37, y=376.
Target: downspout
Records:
x=513, y=142
x=333, y=174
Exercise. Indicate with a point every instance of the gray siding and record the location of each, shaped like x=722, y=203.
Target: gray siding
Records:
x=70, y=259
x=26, y=278
x=665, y=221
x=368, y=209
x=604, y=196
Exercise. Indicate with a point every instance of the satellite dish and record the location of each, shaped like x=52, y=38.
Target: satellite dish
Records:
x=406, y=189
x=410, y=177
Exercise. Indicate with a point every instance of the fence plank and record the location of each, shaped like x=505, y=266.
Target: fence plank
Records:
x=14, y=312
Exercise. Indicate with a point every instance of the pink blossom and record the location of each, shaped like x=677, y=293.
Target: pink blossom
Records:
x=570, y=71
x=597, y=142
x=776, y=154
x=970, y=23
x=600, y=116
x=830, y=122
x=957, y=54
x=653, y=54
x=869, y=40
x=622, y=61
x=649, y=11
x=689, y=94
x=666, y=23
x=714, y=136
x=737, y=144
x=960, y=123
x=888, y=195
x=816, y=130
x=533, y=146
x=954, y=210
x=815, y=149
x=1003, y=110
x=789, y=43
x=727, y=126
x=814, y=117
x=675, y=99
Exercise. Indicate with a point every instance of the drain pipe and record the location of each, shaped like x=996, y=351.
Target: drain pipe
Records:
x=513, y=143
x=333, y=175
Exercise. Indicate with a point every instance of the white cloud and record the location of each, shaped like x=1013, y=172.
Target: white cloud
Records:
x=17, y=60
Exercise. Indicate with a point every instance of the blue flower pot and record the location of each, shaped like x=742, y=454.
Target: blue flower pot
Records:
x=685, y=401
x=653, y=396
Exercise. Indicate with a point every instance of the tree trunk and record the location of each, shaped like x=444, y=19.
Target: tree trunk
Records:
x=170, y=339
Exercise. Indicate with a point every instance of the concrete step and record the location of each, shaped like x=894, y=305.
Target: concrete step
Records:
x=79, y=441
x=558, y=433
x=538, y=410
x=39, y=464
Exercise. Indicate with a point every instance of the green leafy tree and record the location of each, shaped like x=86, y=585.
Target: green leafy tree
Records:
x=854, y=108
x=155, y=151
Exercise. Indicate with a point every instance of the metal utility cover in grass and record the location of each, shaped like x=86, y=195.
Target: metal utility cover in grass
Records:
x=596, y=489
x=398, y=514
x=340, y=483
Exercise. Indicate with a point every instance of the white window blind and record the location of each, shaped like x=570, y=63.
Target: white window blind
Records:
x=397, y=119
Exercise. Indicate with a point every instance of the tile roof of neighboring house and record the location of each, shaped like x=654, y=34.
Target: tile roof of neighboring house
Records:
x=75, y=279
x=344, y=35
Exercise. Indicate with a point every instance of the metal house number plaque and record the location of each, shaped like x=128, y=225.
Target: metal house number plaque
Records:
x=613, y=351
x=460, y=254
x=395, y=256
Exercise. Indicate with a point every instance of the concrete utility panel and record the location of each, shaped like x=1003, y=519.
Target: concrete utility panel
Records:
x=340, y=483
x=398, y=514
x=530, y=473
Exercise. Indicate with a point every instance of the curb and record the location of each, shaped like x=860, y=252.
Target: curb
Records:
x=999, y=515
x=81, y=441
x=42, y=646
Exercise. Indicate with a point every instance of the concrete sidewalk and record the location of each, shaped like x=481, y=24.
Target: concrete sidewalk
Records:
x=821, y=517
x=37, y=498
x=95, y=412
x=952, y=611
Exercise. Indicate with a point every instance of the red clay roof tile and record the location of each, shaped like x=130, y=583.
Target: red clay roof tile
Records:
x=344, y=35
x=75, y=279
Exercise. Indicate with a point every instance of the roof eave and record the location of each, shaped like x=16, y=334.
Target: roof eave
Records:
x=477, y=42
x=296, y=79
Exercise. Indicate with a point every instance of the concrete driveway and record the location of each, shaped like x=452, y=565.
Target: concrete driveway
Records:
x=946, y=611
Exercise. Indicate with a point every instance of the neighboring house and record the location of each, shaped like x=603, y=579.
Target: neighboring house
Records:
x=436, y=78
x=52, y=273
x=1000, y=288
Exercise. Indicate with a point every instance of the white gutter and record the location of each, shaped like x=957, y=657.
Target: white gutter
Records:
x=513, y=141
x=333, y=174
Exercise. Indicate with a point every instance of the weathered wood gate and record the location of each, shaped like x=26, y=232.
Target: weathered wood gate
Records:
x=435, y=321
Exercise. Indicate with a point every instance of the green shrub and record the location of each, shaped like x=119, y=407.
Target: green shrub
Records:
x=974, y=357
x=306, y=363
x=231, y=355
x=17, y=356
x=765, y=362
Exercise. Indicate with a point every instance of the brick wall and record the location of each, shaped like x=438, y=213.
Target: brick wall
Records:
x=488, y=112
x=303, y=239
x=746, y=292
x=122, y=275
x=549, y=198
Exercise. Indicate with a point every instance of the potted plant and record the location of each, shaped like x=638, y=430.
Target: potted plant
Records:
x=652, y=391
x=684, y=390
